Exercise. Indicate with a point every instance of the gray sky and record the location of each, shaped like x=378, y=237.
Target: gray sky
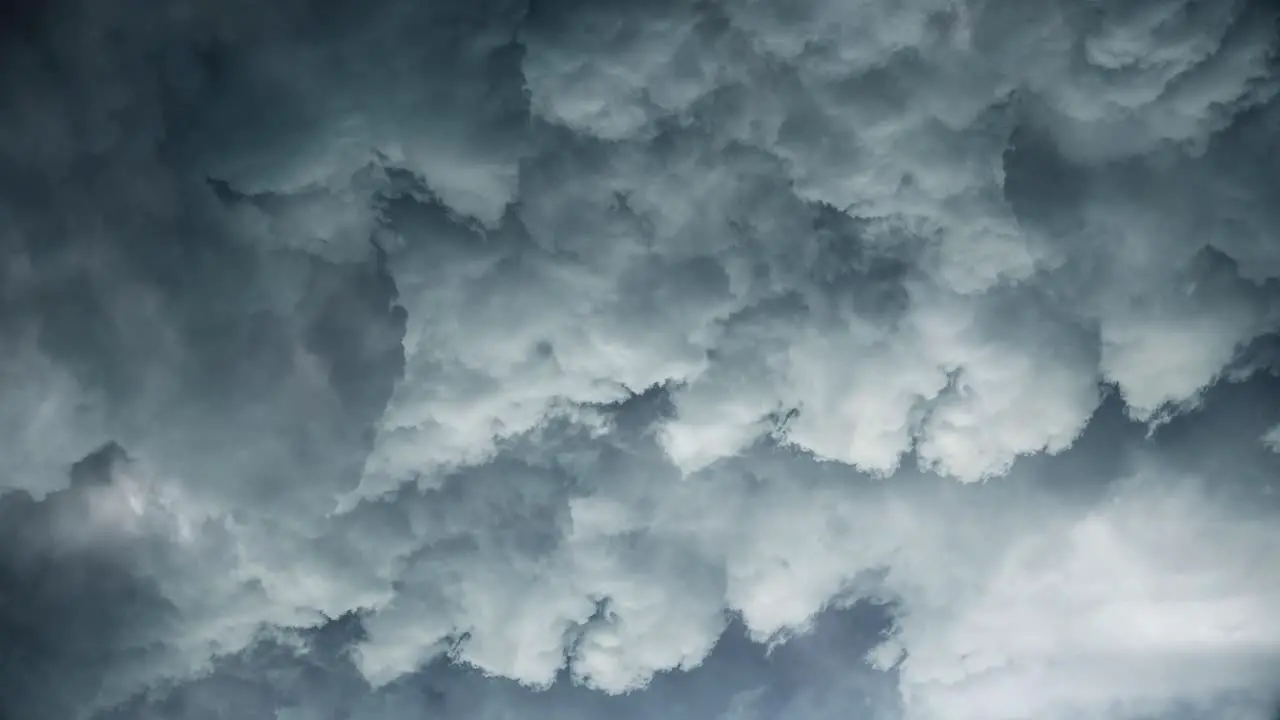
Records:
x=748, y=359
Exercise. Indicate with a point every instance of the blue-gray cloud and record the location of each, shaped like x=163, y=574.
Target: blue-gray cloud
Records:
x=568, y=356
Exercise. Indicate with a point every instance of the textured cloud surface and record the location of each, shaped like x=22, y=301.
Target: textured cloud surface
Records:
x=740, y=359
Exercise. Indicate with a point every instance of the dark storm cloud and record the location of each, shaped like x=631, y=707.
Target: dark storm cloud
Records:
x=309, y=676
x=558, y=340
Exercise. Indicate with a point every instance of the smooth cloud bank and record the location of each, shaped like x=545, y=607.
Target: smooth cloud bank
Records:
x=554, y=338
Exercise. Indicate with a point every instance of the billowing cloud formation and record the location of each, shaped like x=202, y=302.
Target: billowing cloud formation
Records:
x=554, y=339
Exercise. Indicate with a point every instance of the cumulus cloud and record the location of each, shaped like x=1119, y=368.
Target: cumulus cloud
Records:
x=547, y=346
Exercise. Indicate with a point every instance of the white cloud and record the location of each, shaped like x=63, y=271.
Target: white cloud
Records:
x=1115, y=611
x=1272, y=439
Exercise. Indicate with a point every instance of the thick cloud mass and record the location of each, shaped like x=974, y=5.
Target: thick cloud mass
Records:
x=739, y=359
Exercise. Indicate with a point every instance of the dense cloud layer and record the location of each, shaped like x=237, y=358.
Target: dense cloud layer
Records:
x=526, y=351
